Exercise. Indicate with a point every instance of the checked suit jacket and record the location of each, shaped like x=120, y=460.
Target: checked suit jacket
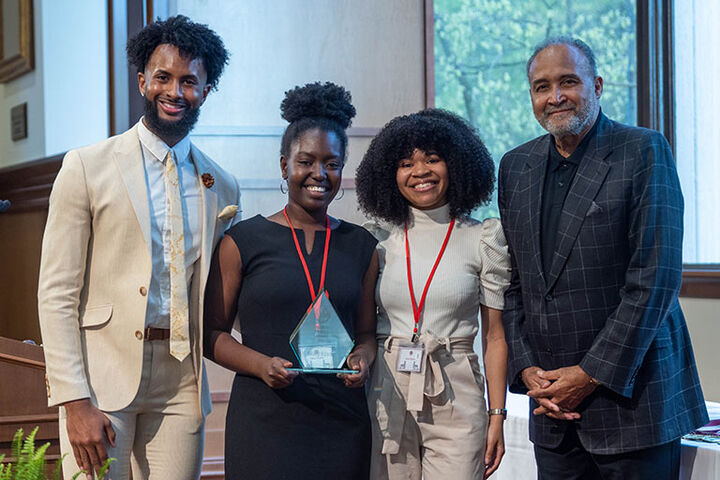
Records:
x=610, y=300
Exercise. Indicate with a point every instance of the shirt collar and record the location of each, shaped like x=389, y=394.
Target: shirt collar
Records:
x=159, y=149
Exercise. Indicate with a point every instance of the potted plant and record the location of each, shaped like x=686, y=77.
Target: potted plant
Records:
x=30, y=462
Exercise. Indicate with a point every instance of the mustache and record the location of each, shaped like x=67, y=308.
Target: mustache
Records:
x=564, y=106
x=176, y=101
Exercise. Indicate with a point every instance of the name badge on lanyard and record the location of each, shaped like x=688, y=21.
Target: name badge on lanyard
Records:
x=410, y=355
x=410, y=358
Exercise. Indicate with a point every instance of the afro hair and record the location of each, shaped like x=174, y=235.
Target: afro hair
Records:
x=471, y=170
x=192, y=39
x=315, y=105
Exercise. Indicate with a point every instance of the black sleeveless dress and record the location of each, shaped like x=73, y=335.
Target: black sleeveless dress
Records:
x=316, y=428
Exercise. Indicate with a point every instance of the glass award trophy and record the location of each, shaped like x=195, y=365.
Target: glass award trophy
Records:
x=320, y=341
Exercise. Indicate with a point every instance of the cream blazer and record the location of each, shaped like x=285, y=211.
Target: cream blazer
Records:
x=96, y=267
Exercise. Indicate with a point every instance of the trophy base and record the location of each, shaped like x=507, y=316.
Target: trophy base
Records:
x=323, y=370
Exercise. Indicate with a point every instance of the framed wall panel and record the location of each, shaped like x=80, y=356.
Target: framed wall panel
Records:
x=16, y=39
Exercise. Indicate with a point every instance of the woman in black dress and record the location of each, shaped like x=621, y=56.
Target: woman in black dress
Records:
x=281, y=425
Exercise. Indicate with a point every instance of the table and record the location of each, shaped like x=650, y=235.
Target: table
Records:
x=701, y=460
x=698, y=461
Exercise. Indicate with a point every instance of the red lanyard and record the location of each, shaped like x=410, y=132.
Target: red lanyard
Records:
x=417, y=310
x=302, y=257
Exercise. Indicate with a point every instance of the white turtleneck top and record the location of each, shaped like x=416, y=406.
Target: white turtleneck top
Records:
x=474, y=270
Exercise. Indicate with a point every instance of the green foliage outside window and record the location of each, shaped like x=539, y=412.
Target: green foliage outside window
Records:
x=482, y=46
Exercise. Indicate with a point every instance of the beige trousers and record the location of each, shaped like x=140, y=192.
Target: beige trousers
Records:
x=160, y=435
x=430, y=425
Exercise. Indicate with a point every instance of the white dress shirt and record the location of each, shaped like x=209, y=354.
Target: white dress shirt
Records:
x=154, y=152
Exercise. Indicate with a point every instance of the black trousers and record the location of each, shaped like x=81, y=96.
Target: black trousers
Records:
x=570, y=461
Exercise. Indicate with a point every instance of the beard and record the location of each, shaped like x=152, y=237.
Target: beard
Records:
x=574, y=125
x=175, y=129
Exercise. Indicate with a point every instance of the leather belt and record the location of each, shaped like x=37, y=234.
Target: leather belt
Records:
x=153, y=333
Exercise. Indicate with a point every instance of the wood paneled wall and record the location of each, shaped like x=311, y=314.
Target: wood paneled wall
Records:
x=27, y=186
x=24, y=405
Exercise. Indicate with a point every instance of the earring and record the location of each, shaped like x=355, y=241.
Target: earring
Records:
x=283, y=190
x=342, y=193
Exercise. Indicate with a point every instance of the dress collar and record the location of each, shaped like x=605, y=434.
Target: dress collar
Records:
x=435, y=216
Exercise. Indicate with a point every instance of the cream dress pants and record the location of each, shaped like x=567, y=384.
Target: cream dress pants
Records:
x=433, y=426
x=160, y=435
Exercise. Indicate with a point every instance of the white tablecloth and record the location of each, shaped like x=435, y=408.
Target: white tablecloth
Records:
x=699, y=460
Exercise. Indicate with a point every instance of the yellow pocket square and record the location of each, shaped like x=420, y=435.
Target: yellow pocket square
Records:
x=228, y=212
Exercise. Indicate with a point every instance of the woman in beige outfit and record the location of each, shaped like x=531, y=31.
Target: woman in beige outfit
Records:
x=421, y=177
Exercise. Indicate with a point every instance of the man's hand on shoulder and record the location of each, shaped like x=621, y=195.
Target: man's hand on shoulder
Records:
x=89, y=432
x=569, y=387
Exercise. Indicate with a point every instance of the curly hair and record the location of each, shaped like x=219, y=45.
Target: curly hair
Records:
x=471, y=170
x=192, y=39
x=315, y=105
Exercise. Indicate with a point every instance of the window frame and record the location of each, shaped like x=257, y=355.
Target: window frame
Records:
x=655, y=97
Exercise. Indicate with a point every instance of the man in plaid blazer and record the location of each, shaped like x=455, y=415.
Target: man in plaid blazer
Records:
x=593, y=217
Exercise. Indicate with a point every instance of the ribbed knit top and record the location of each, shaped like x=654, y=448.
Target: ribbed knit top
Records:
x=474, y=270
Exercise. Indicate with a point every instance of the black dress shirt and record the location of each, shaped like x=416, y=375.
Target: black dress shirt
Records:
x=559, y=175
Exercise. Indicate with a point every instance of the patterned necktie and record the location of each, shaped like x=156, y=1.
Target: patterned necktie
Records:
x=179, y=323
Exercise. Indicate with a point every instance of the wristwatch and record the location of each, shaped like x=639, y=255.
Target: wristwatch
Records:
x=498, y=411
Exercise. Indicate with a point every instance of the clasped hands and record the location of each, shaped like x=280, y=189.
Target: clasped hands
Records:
x=558, y=392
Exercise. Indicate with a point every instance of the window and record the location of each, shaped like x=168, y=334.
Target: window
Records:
x=697, y=118
x=482, y=46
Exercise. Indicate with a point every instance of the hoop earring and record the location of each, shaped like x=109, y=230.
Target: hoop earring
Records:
x=283, y=190
x=342, y=193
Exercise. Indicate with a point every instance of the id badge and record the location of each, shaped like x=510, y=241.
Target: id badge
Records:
x=410, y=358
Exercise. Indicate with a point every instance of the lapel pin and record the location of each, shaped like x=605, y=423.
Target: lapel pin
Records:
x=208, y=180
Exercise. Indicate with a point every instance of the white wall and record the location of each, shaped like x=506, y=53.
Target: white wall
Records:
x=75, y=73
x=27, y=88
x=704, y=324
x=374, y=48
x=67, y=92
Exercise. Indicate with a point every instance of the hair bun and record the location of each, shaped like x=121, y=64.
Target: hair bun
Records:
x=318, y=100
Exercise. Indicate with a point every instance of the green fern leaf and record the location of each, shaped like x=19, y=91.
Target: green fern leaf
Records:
x=24, y=459
x=16, y=441
x=28, y=448
x=56, y=474
x=81, y=472
x=103, y=470
x=36, y=467
x=6, y=472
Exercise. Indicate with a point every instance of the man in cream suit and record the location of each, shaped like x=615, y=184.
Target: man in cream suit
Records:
x=132, y=224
